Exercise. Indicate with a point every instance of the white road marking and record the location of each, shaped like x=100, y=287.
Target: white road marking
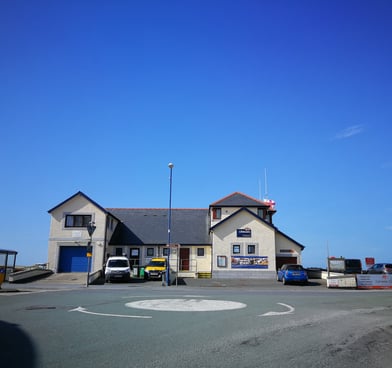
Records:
x=186, y=305
x=290, y=311
x=84, y=310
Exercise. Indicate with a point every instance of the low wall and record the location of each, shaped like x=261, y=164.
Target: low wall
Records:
x=359, y=281
x=248, y=274
x=342, y=281
x=383, y=281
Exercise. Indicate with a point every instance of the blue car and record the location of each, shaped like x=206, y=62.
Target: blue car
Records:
x=291, y=273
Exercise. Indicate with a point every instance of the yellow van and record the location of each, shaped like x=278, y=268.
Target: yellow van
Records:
x=155, y=268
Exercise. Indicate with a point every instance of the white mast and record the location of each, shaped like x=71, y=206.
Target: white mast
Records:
x=265, y=184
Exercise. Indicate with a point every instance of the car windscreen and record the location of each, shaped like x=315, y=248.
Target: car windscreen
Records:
x=156, y=264
x=118, y=263
x=295, y=268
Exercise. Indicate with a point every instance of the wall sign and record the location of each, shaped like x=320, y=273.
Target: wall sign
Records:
x=249, y=262
x=244, y=233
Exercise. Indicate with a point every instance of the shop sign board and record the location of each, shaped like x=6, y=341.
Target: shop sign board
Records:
x=249, y=262
x=244, y=233
x=382, y=281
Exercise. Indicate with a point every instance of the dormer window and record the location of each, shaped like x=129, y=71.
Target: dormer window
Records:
x=260, y=212
x=216, y=213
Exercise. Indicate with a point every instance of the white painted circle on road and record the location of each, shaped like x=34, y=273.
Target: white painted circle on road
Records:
x=186, y=305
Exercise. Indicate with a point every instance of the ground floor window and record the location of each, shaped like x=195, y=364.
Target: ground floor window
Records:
x=222, y=261
x=200, y=252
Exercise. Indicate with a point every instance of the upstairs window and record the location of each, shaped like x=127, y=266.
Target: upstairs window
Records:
x=216, y=213
x=236, y=248
x=251, y=249
x=77, y=220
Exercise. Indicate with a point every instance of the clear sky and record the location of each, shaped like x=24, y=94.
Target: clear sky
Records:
x=100, y=96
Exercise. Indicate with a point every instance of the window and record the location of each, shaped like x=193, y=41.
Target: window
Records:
x=165, y=251
x=200, y=252
x=77, y=220
x=216, y=213
x=251, y=249
x=236, y=249
x=221, y=261
x=119, y=252
x=260, y=213
x=150, y=252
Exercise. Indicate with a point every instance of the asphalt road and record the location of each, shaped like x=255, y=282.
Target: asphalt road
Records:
x=211, y=325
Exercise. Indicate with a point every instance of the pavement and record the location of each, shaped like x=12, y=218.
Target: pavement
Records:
x=64, y=280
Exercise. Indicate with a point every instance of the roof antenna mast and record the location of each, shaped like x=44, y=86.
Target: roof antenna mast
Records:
x=265, y=199
x=265, y=184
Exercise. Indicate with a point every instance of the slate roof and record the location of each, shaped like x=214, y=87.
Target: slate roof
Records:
x=238, y=199
x=149, y=226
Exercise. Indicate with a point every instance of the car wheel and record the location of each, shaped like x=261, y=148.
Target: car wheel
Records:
x=284, y=281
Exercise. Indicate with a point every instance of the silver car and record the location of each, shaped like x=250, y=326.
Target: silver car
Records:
x=380, y=268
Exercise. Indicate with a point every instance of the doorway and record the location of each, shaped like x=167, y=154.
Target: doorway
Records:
x=184, y=259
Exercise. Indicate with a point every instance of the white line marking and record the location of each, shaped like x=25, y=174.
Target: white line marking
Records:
x=290, y=311
x=84, y=310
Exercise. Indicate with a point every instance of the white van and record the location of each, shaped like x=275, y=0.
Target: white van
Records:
x=117, y=268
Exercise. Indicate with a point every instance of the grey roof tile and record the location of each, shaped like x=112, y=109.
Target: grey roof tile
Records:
x=238, y=199
x=150, y=226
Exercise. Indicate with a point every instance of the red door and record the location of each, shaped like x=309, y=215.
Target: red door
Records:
x=184, y=259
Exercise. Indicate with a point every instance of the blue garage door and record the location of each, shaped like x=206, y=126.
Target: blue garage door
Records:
x=73, y=259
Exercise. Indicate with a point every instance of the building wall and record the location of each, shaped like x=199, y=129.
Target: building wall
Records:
x=262, y=236
x=196, y=263
x=268, y=242
x=59, y=235
x=287, y=248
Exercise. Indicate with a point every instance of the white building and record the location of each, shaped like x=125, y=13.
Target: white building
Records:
x=234, y=237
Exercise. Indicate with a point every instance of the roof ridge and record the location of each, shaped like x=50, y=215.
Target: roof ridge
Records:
x=241, y=194
x=154, y=208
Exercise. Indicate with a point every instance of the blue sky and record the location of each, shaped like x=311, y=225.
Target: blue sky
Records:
x=100, y=96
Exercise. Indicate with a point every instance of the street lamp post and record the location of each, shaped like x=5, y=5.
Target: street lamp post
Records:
x=90, y=228
x=169, y=226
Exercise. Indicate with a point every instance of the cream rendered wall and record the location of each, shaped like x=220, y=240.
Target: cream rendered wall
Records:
x=196, y=263
x=226, y=234
x=283, y=244
x=203, y=264
x=59, y=235
x=225, y=212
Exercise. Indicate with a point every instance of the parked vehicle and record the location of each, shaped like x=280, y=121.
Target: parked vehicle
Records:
x=380, y=268
x=290, y=273
x=117, y=268
x=155, y=268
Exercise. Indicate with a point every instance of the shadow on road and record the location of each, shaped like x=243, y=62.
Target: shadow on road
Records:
x=16, y=347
